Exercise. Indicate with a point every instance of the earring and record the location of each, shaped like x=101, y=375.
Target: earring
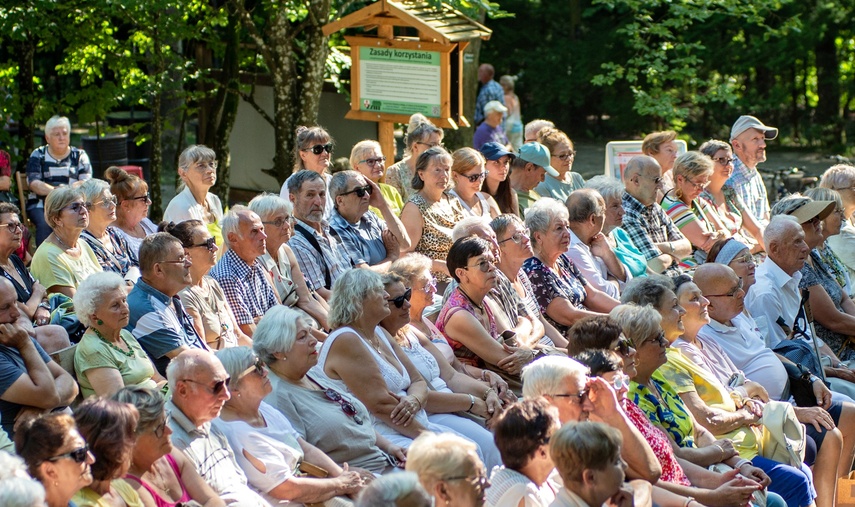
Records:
x=100, y=322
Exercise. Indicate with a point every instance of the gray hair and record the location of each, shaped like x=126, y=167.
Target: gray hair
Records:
x=546, y=375
x=777, y=229
x=534, y=126
x=464, y=227
x=11, y=467
x=21, y=492
x=235, y=361
x=608, y=187
x=789, y=204
x=838, y=177
x=542, y=213
x=266, y=205
x=91, y=292
x=501, y=223
x=57, y=121
x=825, y=194
x=153, y=249
x=148, y=401
x=386, y=490
x=583, y=203
x=230, y=223
x=296, y=180
x=636, y=322
x=646, y=291
x=276, y=332
x=411, y=265
x=359, y=150
x=93, y=188
x=711, y=147
x=339, y=181
x=349, y=292
x=57, y=199
x=187, y=364
x=692, y=164
x=195, y=153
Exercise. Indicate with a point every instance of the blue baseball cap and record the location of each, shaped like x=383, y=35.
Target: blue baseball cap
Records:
x=495, y=151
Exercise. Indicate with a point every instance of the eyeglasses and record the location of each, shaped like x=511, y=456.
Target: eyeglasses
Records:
x=657, y=180
x=77, y=207
x=359, y=191
x=620, y=380
x=733, y=292
x=373, y=161
x=623, y=346
x=202, y=166
x=565, y=156
x=484, y=265
x=14, y=226
x=840, y=212
x=346, y=406
x=725, y=161
x=259, y=368
x=659, y=339
x=518, y=237
x=575, y=399
x=399, y=301
x=697, y=186
x=79, y=455
x=160, y=428
x=279, y=222
x=181, y=260
x=319, y=148
x=429, y=285
x=106, y=203
x=430, y=145
x=745, y=259
x=479, y=481
x=210, y=244
x=217, y=389
x=475, y=177
x=146, y=197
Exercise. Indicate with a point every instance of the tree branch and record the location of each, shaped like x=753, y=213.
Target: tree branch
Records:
x=254, y=34
x=250, y=99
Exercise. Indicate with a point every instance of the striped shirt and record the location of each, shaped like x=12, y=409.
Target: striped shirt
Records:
x=43, y=167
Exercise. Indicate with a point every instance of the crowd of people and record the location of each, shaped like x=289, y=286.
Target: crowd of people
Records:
x=467, y=328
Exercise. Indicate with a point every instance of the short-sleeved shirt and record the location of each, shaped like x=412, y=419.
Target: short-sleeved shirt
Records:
x=87, y=497
x=647, y=225
x=133, y=242
x=209, y=451
x=749, y=186
x=491, y=90
x=120, y=259
x=362, y=240
x=160, y=324
x=25, y=291
x=773, y=297
x=458, y=301
x=246, y=287
x=487, y=134
x=526, y=198
x=53, y=266
x=43, y=167
x=673, y=417
x=683, y=215
x=93, y=352
x=567, y=283
x=275, y=445
x=672, y=471
x=393, y=199
x=11, y=368
x=560, y=190
x=593, y=268
x=210, y=303
x=317, y=266
x=685, y=376
x=439, y=219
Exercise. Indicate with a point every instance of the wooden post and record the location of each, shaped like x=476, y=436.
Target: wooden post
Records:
x=386, y=129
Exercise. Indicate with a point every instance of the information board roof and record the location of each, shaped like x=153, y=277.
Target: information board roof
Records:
x=445, y=25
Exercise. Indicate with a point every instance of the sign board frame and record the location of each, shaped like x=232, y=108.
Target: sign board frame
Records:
x=618, y=154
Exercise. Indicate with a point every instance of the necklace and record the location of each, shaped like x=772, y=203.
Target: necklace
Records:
x=476, y=305
x=375, y=346
x=129, y=352
x=62, y=243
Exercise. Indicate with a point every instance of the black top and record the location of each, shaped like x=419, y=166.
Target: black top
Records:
x=24, y=293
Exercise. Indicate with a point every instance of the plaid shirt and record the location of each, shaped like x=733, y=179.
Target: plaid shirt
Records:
x=314, y=264
x=247, y=290
x=490, y=91
x=647, y=225
x=748, y=184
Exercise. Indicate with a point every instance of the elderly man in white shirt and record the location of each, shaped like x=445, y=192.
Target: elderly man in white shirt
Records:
x=589, y=249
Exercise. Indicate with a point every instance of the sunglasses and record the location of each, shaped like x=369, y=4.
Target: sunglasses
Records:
x=78, y=455
x=258, y=368
x=399, y=301
x=475, y=177
x=723, y=161
x=319, y=148
x=623, y=346
x=77, y=207
x=565, y=156
x=373, y=161
x=346, y=406
x=217, y=389
x=146, y=197
x=359, y=191
x=518, y=237
x=210, y=244
x=14, y=226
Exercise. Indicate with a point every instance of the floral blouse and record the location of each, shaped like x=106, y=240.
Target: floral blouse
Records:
x=671, y=470
x=673, y=417
x=457, y=302
x=816, y=272
x=567, y=283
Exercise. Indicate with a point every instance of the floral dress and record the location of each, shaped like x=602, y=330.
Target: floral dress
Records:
x=567, y=282
x=817, y=272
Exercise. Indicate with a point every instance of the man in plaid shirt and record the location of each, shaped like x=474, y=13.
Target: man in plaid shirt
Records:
x=748, y=137
x=655, y=235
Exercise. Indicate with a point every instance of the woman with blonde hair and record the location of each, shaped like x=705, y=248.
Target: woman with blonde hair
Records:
x=449, y=469
x=695, y=217
x=367, y=158
x=421, y=135
x=468, y=173
x=562, y=154
x=197, y=168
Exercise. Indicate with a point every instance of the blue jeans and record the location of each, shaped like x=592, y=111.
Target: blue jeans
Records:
x=36, y=214
x=793, y=484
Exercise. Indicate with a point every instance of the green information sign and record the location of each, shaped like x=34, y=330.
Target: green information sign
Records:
x=399, y=81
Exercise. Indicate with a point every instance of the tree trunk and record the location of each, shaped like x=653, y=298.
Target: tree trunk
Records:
x=27, y=92
x=156, y=132
x=221, y=120
x=828, y=87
